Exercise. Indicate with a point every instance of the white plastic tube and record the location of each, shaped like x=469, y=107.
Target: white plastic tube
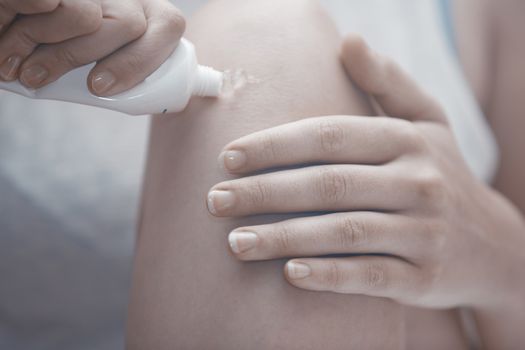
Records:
x=168, y=89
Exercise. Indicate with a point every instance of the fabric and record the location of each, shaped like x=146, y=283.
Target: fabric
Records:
x=70, y=178
x=448, y=21
x=414, y=34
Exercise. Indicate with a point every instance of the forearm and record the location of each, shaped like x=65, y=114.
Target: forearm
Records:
x=501, y=318
x=495, y=70
x=501, y=326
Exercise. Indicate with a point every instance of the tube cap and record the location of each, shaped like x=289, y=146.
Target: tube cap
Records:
x=208, y=82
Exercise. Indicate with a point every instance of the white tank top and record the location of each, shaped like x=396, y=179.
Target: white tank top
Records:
x=415, y=34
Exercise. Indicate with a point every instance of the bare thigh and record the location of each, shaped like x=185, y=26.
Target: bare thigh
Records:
x=188, y=291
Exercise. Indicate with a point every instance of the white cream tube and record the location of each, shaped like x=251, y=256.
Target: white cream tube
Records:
x=167, y=90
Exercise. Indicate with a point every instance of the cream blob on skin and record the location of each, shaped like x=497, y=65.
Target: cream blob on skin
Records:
x=167, y=90
x=234, y=80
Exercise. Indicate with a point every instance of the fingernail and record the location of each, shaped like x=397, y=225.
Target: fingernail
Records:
x=34, y=76
x=102, y=82
x=298, y=270
x=233, y=160
x=241, y=242
x=9, y=68
x=219, y=201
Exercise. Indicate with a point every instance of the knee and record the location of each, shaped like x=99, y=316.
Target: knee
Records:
x=266, y=12
x=277, y=16
x=291, y=47
x=263, y=24
x=272, y=38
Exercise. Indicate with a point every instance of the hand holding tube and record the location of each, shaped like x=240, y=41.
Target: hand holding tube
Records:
x=41, y=40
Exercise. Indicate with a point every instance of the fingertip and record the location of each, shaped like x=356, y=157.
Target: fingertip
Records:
x=297, y=270
x=10, y=68
x=102, y=82
x=353, y=40
x=363, y=64
x=354, y=47
x=233, y=161
x=34, y=76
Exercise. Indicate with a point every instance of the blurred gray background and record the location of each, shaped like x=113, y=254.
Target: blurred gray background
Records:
x=69, y=185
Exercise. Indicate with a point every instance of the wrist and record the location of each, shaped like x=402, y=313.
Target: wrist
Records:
x=501, y=313
x=500, y=325
x=501, y=256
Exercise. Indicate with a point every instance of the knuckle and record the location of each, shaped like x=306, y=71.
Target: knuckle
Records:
x=331, y=136
x=334, y=277
x=375, y=277
x=430, y=187
x=68, y=57
x=270, y=148
x=258, y=194
x=23, y=39
x=88, y=15
x=425, y=283
x=332, y=185
x=132, y=63
x=351, y=232
x=410, y=135
x=173, y=19
x=434, y=239
x=134, y=24
x=283, y=239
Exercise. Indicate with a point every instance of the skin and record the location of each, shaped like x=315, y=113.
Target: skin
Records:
x=500, y=82
x=188, y=291
x=41, y=40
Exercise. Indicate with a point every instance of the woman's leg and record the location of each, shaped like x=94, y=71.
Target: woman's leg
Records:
x=188, y=291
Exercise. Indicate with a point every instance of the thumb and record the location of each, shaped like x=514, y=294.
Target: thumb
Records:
x=158, y=37
x=379, y=76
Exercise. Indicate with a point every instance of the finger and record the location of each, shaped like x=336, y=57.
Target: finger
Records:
x=6, y=16
x=339, y=233
x=135, y=62
x=124, y=21
x=333, y=139
x=397, y=94
x=73, y=18
x=316, y=188
x=10, y=8
x=29, y=7
x=369, y=275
